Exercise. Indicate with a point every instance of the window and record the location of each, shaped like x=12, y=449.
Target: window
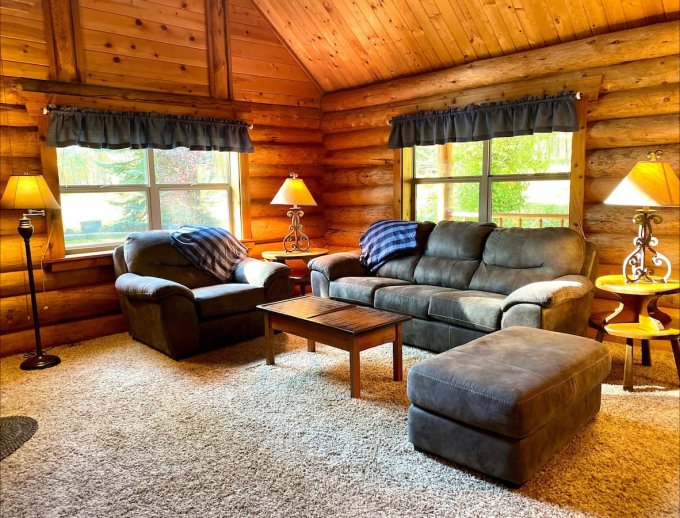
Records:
x=514, y=181
x=106, y=194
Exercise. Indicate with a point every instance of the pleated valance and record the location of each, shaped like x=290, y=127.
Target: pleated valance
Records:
x=117, y=130
x=486, y=121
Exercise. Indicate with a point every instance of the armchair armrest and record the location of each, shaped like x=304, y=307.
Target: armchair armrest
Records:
x=150, y=288
x=550, y=293
x=259, y=273
x=334, y=266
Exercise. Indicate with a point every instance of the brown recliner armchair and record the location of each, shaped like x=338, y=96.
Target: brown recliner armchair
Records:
x=179, y=309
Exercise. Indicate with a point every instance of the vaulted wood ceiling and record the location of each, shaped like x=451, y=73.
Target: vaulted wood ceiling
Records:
x=348, y=43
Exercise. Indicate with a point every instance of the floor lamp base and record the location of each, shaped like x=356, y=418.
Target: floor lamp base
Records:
x=42, y=361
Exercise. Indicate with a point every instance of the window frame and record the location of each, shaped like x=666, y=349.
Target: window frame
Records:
x=404, y=177
x=152, y=191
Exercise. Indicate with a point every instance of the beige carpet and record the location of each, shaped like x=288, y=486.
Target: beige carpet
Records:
x=125, y=431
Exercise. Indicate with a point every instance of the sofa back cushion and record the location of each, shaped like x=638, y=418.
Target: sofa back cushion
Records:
x=515, y=257
x=152, y=254
x=452, y=254
x=404, y=267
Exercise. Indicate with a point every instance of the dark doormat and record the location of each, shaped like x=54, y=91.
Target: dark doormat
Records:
x=14, y=431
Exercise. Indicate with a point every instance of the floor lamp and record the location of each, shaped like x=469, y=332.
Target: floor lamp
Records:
x=30, y=192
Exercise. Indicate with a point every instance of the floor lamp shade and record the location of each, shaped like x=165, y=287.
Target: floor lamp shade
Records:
x=294, y=192
x=651, y=183
x=30, y=192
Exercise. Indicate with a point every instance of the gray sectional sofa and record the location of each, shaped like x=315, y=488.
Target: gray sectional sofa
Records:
x=466, y=280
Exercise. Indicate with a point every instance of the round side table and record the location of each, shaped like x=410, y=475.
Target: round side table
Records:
x=281, y=256
x=638, y=318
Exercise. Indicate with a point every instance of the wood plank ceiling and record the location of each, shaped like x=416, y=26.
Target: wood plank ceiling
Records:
x=350, y=43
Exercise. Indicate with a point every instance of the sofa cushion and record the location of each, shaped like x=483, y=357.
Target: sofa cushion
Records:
x=404, y=267
x=151, y=254
x=360, y=290
x=453, y=253
x=473, y=309
x=515, y=257
x=511, y=382
x=413, y=300
x=225, y=299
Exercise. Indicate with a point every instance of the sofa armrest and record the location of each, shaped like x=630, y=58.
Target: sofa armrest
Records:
x=550, y=293
x=259, y=273
x=334, y=266
x=150, y=288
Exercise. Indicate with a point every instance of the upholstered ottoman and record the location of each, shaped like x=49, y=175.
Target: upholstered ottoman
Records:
x=504, y=403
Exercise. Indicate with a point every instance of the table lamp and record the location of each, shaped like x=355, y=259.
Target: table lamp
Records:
x=651, y=183
x=294, y=192
x=31, y=192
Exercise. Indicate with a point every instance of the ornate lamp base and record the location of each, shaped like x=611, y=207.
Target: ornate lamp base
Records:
x=295, y=240
x=634, y=267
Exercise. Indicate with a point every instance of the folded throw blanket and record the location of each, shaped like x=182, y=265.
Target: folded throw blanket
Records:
x=211, y=249
x=386, y=239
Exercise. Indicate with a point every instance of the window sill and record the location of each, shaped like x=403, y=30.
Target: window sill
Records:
x=79, y=261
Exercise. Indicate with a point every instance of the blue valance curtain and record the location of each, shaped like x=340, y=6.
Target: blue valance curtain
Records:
x=99, y=129
x=486, y=121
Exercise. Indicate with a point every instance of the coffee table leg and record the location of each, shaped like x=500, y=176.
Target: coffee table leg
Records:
x=268, y=341
x=354, y=373
x=628, y=365
x=311, y=345
x=397, y=365
x=646, y=353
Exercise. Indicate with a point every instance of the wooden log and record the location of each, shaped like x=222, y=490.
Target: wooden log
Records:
x=365, y=157
x=270, y=134
x=16, y=283
x=617, y=162
x=64, y=333
x=358, y=215
x=652, y=41
x=12, y=252
x=596, y=190
x=283, y=171
x=377, y=117
x=639, y=131
x=19, y=142
x=357, y=139
x=639, y=74
x=286, y=154
x=9, y=221
x=345, y=238
x=266, y=188
x=264, y=209
x=379, y=195
x=59, y=23
x=364, y=176
x=610, y=219
x=614, y=248
x=16, y=115
x=19, y=165
x=271, y=229
x=58, y=306
x=656, y=100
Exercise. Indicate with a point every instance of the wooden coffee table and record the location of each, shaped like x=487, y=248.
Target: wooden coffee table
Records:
x=345, y=326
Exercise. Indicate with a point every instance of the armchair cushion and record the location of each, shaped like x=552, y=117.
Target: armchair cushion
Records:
x=224, y=299
x=150, y=288
x=550, y=293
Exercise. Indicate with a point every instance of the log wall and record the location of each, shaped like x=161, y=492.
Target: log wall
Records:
x=633, y=109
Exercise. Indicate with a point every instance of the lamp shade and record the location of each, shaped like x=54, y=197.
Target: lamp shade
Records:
x=28, y=192
x=293, y=192
x=649, y=184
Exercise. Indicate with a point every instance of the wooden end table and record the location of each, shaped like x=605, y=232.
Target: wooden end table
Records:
x=345, y=326
x=638, y=318
x=281, y=256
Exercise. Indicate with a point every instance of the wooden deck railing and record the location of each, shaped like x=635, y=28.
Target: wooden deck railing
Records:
x=521, y=219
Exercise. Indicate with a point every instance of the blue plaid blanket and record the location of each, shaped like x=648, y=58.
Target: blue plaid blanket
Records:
x=211, y=249
x=386, y=239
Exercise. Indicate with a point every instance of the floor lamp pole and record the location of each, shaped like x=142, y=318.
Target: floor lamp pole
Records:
x=40, y=360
